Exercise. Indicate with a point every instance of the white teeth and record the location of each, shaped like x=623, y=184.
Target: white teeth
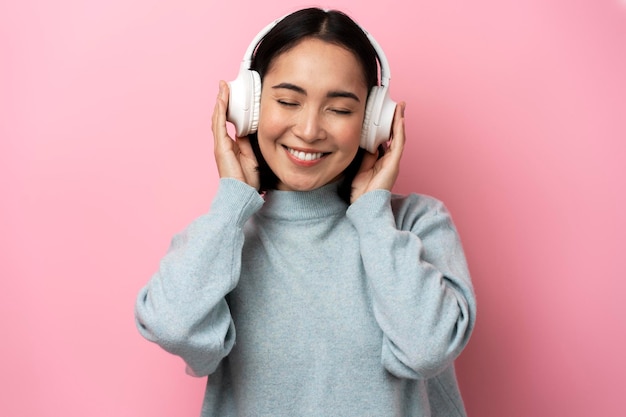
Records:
x=305, y=156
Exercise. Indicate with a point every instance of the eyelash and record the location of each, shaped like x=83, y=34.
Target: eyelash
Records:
x=286, y=103
x=290, y=104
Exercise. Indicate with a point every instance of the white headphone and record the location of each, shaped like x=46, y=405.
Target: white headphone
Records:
x=245, y=96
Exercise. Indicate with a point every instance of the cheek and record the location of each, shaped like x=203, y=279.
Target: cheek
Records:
x=270, y=122
x=350, y=135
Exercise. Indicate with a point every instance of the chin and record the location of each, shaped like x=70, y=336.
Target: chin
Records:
x=304, y=185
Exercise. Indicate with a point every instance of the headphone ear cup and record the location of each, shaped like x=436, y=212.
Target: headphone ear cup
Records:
x=366, y=141
x=243, y=102
x=379, y=112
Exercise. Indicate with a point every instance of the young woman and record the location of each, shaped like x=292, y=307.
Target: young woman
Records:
x=309, y=289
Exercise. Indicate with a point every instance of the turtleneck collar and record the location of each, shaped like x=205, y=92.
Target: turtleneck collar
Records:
x=303, y=205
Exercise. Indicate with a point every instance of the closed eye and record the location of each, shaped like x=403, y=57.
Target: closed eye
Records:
x=287, y=103
x=341, y=111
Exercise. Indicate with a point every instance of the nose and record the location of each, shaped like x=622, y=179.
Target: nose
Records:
x=309, y=125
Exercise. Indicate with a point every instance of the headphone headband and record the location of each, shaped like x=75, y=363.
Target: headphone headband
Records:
x=385, y=71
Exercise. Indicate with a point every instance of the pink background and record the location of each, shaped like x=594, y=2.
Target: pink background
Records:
x=516, y=119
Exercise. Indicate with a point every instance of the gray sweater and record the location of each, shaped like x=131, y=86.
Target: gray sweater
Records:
x=297, y=304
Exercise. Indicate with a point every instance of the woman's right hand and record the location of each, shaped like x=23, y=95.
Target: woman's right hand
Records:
x=234, y=158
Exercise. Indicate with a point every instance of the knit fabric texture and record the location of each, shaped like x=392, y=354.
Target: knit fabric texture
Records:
x=296, y=304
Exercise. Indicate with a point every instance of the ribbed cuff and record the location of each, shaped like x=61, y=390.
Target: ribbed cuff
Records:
x=373, y=207
x=236, y=200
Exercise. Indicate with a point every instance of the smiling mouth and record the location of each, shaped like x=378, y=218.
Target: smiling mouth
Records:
x=306, y=156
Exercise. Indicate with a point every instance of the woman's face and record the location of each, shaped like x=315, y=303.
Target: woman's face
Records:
x=312, y=109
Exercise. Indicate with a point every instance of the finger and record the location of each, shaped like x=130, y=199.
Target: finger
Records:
x=245, y=147
x=369, y=160
x=216, y=108
x=218, y=127
x=398, y=136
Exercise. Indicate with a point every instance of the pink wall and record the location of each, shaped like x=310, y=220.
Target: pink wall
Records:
x=516, y=118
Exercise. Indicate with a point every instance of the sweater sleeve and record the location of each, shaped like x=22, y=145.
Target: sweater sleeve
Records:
x=420, y=286
x=182, y=308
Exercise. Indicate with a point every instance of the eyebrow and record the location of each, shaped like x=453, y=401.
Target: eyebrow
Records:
x=330, y=94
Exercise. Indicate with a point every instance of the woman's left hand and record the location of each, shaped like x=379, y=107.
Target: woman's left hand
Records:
x=377, y=174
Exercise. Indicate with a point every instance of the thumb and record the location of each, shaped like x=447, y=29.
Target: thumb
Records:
x=369, y=160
